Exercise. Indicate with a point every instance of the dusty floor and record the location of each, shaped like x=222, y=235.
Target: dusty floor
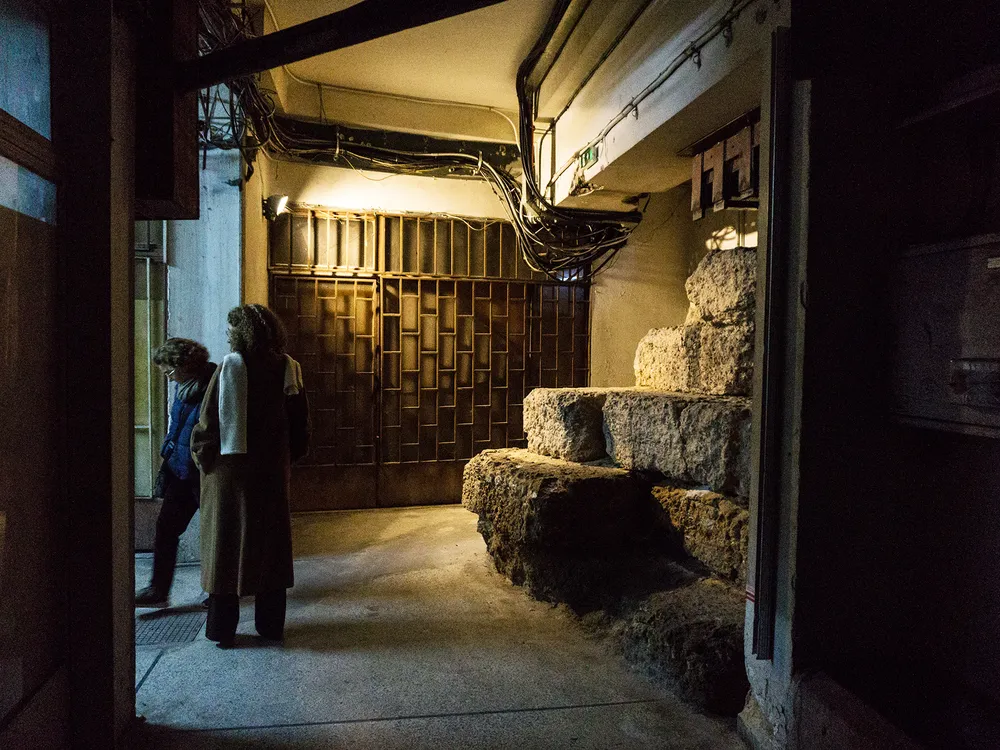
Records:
x=399, y=635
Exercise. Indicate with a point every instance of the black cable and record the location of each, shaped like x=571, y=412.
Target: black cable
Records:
x=562, y=243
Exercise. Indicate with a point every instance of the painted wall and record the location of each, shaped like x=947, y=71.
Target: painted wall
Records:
x=643, y=288
x=254, y=281
x=204, y=258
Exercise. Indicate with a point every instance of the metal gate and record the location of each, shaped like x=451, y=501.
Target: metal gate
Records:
x=418, y=338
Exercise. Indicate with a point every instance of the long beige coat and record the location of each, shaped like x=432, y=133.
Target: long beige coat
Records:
x=246, y=541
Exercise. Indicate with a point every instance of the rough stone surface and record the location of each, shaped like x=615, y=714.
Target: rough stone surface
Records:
x=692, y=638
x=667, y=359
x=565, y=423
x=553, y=525
x=722, y=286
x=703, y=440
x=725, y=359
x=715, y=434
x=642, y=430
x=709, y=527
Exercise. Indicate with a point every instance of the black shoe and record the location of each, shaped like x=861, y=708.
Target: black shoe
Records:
x=150, y=597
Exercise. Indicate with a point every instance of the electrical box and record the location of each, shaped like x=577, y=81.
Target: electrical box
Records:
x=946, y=336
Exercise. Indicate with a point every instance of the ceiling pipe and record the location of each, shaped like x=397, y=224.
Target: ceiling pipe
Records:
x=362, y=22
x=556, y=43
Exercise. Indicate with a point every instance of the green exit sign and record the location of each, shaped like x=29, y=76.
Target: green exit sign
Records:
x=588, y=157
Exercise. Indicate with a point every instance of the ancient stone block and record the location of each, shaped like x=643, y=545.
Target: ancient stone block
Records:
x=722, y=286
x=565, y=423
x=642, y=430
x=715, y=435
x=712, y=528
x=692, y=638
x=725, y=359
x=703, y=440
x=667, y=359
x=552, y=525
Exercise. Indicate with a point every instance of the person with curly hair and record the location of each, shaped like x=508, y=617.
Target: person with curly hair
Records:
x=185, y=363
x=254, y=422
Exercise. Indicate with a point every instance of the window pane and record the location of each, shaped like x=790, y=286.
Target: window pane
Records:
x=24, y=64
x=23, y=191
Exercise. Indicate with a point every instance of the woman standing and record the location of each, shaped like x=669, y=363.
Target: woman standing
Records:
x=253, y=423
x=185, y=363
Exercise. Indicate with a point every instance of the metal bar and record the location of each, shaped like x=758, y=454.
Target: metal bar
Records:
x=362, y=22
x=149, y=369
x=775, y=298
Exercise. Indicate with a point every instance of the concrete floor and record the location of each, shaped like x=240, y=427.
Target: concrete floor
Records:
x=400, y=635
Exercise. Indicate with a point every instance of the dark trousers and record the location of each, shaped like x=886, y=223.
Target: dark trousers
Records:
x=180, y=501
x=224, y=615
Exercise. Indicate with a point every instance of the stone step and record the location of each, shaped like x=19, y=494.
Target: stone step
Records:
x=552, y=525
x=701, y=440
x=566, y=423
x=691, y=638
x=722, y=288
x=709, y=527
x=699, y=357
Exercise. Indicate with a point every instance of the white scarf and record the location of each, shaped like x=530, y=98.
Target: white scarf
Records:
x=233, y=399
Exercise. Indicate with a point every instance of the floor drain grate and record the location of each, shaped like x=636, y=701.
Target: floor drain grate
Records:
x=168, y=627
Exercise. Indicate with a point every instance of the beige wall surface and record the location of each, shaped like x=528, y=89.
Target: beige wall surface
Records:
x=348, y=190
x=643, y=288
x=255, y=236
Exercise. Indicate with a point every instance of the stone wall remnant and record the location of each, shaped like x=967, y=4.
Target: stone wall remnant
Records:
x=667, y=359
x=722, y=287
x=692, y=638
x=554, y=526
x=703, y=440
x=566, y=423
x=725, y=359
x=712, y=528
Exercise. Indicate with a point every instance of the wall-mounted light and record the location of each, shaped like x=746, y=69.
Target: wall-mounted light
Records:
x=275, y=205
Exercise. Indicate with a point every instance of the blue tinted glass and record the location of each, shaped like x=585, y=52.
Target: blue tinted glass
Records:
x=24, y=64
x=24, y=191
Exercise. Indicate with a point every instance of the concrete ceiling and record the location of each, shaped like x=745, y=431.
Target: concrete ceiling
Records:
x=471, y=58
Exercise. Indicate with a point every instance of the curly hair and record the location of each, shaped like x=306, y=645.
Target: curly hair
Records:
x=256, y=330
x=185, y=353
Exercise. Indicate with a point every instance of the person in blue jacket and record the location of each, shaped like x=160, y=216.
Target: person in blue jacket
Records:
x=186, y=364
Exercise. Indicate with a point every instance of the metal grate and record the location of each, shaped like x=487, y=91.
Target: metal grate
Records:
x=418, y=346
x=331, y=331
x=162, y=628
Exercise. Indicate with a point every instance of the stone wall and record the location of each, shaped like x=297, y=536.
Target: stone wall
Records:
x=577, y=517
x=712, y=352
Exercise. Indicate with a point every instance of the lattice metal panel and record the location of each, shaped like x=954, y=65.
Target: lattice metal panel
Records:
x=454, y=247
x=421, y=358
x=317, y=241
x=459, y=356
x=331, y=327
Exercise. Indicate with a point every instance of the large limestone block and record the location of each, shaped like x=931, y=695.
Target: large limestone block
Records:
x=710, y=527
x=703, y=440
x=667, y=359
x=551, y=525
x=716, y=437
x=642, y=430
x=692, y=638
x=565, y=423
x=722, y=286
x=725, y=358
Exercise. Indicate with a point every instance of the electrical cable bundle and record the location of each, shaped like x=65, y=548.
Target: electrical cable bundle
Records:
x=564, y=244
